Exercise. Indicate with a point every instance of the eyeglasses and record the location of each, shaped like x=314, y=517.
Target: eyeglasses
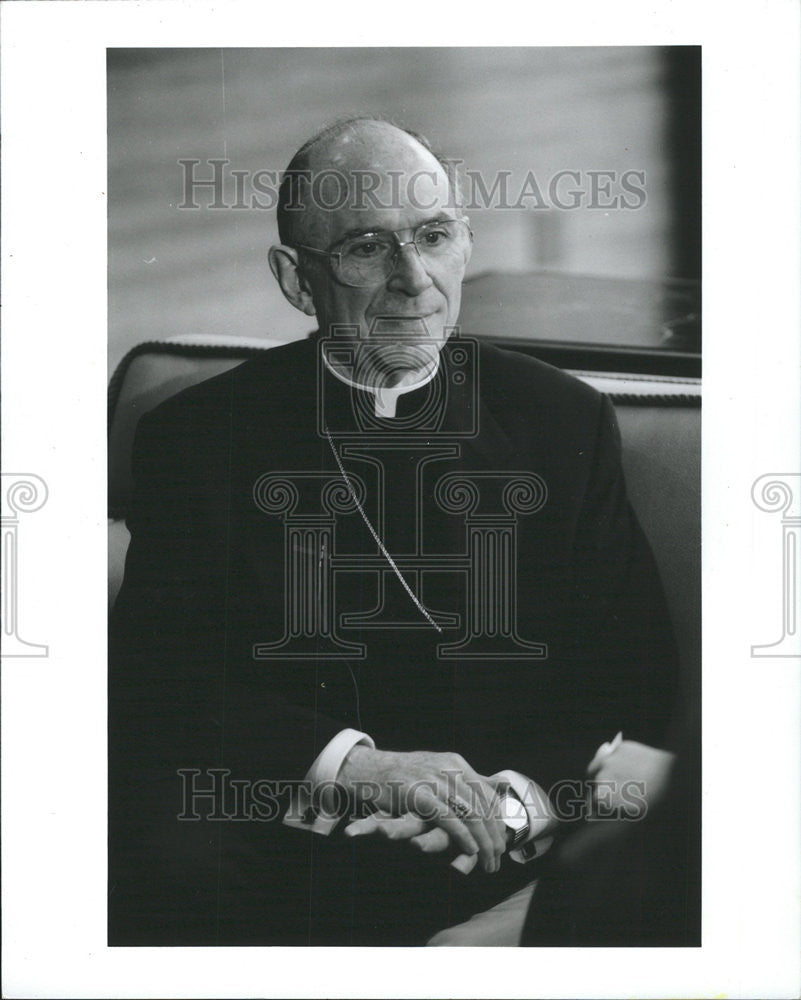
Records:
x=370, y=258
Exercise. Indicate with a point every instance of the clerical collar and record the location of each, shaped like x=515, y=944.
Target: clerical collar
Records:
x=386, y=397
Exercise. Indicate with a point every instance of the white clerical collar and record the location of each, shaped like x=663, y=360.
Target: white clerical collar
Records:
x=386, y=397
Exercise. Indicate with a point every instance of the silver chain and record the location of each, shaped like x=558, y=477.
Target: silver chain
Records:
x=378, y=541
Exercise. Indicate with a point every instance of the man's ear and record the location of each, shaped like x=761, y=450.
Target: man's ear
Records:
x=285, y=267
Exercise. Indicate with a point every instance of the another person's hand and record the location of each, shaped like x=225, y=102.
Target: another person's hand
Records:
x=632, y=777
x=432, y=799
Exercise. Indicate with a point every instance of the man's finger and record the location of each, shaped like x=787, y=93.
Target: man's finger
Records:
x=475, y=823
x=392, y=827
x=367, y=825
x=401, y=827
x=432, y=841
x=465, y=863
x=435, y=811
x=491, y=812
x=470, y=808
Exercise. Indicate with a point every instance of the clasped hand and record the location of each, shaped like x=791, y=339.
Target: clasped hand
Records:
x=434, y=800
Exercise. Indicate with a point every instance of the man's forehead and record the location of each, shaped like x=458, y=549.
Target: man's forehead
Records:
x=370, y=176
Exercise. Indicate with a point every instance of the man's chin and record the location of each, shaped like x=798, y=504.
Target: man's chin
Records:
x=405, y=328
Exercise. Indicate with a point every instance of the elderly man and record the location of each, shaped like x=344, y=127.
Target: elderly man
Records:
x=384, y=599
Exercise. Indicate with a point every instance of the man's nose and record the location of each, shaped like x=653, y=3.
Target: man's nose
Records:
x=409, y=274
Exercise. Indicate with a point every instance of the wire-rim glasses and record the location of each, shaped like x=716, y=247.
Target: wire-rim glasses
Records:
x=370, y=258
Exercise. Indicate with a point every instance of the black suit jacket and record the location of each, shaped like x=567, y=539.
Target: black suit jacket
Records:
x=206, y=582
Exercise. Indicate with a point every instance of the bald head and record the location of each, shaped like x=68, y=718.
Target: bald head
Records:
x=368, y=144
x=359, y=164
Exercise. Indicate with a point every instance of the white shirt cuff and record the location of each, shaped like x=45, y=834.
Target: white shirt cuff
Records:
x=541, y=816
x=314, y=803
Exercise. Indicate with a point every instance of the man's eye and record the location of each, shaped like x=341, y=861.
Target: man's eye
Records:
x=369, y=248
x=434, y=237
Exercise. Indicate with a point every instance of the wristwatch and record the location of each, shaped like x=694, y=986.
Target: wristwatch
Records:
x=515, y=819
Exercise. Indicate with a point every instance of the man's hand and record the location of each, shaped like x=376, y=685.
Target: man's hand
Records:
x=449, y=801
x=430, y=840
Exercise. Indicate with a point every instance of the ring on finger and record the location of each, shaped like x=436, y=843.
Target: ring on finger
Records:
x=458, y=807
